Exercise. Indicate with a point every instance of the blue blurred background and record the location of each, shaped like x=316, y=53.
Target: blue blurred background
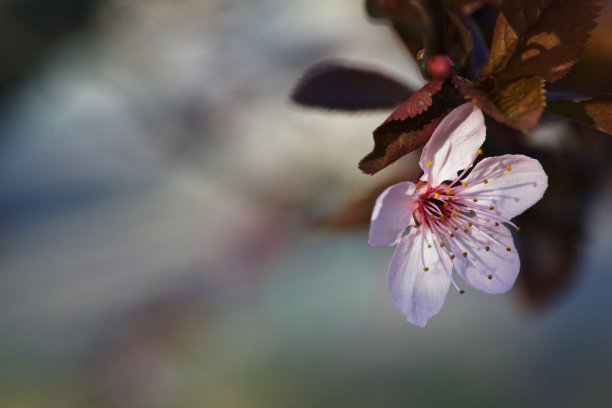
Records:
x=161, y=242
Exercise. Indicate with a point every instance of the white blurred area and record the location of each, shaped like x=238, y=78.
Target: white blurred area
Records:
x=157, y=198
x=160, y=151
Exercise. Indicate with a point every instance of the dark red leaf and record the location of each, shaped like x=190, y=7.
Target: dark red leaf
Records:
x=595, y=111
x=540, y=37
x=410, y=126
x=335, y=85
x=517, y=103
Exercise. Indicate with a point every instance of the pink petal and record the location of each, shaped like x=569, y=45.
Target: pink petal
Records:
x=417, y=294
x=492, y=271
x=453, y=145
x=509, y=192
x=392, y=214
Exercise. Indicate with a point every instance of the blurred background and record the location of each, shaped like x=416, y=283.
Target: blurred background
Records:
x=175, y=233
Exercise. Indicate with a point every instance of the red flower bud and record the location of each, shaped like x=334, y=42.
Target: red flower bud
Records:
x=440, y=67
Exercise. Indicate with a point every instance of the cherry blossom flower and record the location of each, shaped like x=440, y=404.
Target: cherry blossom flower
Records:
x=456, y=219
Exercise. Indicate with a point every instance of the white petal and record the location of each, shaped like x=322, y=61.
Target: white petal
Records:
x=417, y=294
x=499, y=263
x=509, y=192
x=392, y=214
x=453, y=144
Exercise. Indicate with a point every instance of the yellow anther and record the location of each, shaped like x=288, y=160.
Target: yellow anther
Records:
x=465, y=230
x=442, y=218
x=415, y=201
x=447, y=191
x=454, y=214
x=496, y=224
x=470, y=224
x=475, y=200
x=465, y=254
x=452, y=256
x=428, y=246
x=518, y=229
x=452, y=235
x=485, y=181
x=472, y=212
x=490, y=277
x=508, y=249
x=446, y=203
x=426, y=269
x=479, y=151
x=429, y=164
x=436, y=195
x=487, y=249
x=461, y=292
x=491, y=208
x=453, y=198
x=509, y=168
x=431, y=216
x=442, y=244
x=464, y=184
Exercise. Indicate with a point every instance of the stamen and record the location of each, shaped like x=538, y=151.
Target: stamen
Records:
x=479, y=151
x=485, y=181
x=508, y=249
x=452, y=256
x=454, y=214
x=423, y=244
x=436, y=195
x=472, y=212
x=492, y=217
x=470, y=224
x=447, y=191
x=426, y=269
x=465, y=254
x=465, y=230
x=487, y=249
x=518, y=229
x=490, y=277
x=464, y=184
x=491, y=208
x=509, y=168
x=497, y=224
x=483, y=232
x=452, y=235
x=429, y=164
x=429, y=206
x=461, y=292
x=475, y=200
x=448, y=272
x=442, y=245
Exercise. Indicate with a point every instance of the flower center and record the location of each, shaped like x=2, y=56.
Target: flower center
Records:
x=453, y=213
